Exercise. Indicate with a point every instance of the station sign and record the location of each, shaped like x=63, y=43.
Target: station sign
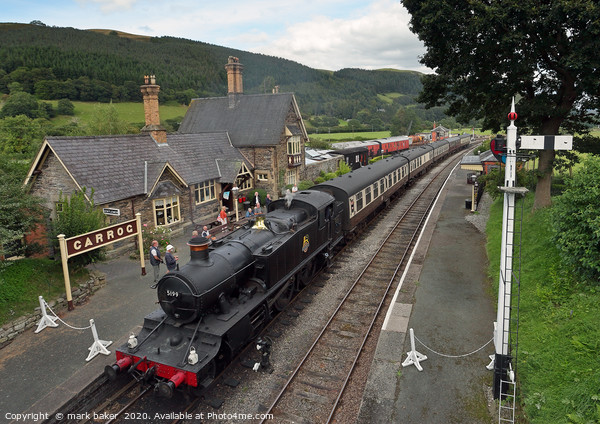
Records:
x=94, y=239
x=111, y=211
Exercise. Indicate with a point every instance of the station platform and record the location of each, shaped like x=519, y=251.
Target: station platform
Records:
x=444, y=296
x=41, y=372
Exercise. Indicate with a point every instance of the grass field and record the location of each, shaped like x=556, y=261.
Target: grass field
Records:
x=129, y=112
x=349, y=136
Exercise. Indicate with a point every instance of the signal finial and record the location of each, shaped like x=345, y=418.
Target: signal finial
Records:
x=512, y=116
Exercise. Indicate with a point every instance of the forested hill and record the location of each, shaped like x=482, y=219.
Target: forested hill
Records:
x=103, y=65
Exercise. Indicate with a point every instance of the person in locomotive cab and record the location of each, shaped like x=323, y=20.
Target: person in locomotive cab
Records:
x=170, y=259
x=257, y=209
x=155, y=259
x=249, y=213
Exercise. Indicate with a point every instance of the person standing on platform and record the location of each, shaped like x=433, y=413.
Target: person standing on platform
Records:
x=170, y=259
x=155, y=260
x=268, y=201
x=222, y=218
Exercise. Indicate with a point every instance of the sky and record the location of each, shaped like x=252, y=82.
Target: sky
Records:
x=321, y=34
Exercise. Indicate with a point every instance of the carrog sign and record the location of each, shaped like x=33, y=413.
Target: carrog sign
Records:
x=94, y=239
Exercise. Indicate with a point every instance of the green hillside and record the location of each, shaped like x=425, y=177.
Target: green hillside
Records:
x=104, y=65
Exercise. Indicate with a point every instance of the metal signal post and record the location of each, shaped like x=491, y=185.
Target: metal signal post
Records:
x=502, y=329
x=504, y=376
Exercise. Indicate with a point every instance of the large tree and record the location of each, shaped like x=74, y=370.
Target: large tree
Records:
x=545, y=53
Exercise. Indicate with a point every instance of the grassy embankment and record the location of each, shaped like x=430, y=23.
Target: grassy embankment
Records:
x=558, y=367
x=23, y=280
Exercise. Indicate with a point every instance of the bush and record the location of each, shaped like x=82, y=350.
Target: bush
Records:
x=319, y=180
x=78, y=216
x=343, y=168
x=576, y=222
x=305, y=185
x=330, y=176
x=65, y=107
x=160, y=234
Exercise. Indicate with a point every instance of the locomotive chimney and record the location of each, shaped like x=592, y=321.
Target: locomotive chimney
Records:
x=199, y=249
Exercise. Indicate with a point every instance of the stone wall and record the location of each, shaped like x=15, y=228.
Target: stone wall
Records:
x=80, y=295
x=312, y=171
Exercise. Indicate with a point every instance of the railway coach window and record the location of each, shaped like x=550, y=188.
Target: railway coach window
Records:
x=367, y=195
x=375, y=190
x=382, y=185
x=359, y=201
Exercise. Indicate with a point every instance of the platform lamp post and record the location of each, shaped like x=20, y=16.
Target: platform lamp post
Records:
x=235, y=190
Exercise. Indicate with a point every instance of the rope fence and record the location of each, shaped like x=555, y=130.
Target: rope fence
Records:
x=99, y=346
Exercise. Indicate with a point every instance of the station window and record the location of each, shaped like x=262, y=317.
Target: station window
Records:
x=262, y=176
x=293, y=145
x=205, y=191
x=290, y=177
x=166, y=211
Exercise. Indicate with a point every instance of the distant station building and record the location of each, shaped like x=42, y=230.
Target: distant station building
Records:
x=266, y=128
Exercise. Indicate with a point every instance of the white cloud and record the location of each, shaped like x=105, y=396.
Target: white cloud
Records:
x=380, y=38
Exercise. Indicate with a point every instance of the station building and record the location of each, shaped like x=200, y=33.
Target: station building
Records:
x=182, y=178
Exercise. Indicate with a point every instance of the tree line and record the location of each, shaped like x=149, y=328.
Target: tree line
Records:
x=65, y=63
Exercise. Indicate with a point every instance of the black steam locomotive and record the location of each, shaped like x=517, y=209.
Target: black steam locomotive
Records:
x=221, y=299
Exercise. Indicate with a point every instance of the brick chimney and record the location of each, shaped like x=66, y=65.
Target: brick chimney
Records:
x=150, y=93
x=234, y=76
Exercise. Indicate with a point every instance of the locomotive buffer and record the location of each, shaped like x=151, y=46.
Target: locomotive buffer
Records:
x=504, y=377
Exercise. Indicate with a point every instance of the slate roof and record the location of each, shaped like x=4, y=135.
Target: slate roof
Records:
x=114, y=165
x=250, y=119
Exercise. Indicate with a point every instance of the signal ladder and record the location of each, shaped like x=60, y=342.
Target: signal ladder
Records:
x=507, y=401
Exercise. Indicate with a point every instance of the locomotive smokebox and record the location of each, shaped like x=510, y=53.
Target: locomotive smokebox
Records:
x=201, y=286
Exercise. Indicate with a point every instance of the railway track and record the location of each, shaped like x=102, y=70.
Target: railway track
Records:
x=315, y=389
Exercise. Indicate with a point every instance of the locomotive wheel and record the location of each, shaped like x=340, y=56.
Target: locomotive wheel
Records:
x=284, y=299
x=306, y=274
